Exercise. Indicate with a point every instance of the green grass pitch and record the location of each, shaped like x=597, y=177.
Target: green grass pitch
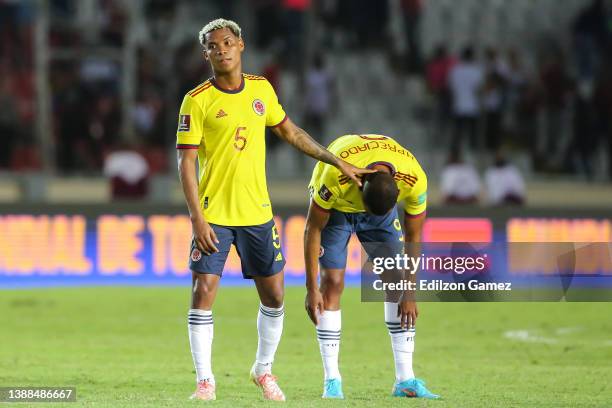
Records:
x=129, y=347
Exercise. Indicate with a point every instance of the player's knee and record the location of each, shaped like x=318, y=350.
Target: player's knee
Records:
x=203, y=289
x=273, y=299
x=333, y=282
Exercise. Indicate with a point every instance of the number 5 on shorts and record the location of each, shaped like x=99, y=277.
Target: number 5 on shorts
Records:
x=275, y=238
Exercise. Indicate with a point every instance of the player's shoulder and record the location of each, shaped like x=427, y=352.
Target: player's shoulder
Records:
x=257, y=81
x=254, y=78
x=200, y=90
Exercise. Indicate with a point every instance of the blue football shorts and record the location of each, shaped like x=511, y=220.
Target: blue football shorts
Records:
x=371, y=230
x=258, y=247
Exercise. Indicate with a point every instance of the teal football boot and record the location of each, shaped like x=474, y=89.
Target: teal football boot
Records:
x=413, y=388
x=332, y=389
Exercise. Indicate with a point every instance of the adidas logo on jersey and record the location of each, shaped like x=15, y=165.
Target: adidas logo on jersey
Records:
x=279, y=257
x=220, y=114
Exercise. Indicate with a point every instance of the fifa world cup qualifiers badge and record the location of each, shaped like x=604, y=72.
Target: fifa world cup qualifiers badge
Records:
x=324, y=193
x=184, y=123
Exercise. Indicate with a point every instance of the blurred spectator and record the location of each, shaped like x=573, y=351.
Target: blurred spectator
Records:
x=188, y=66
x=294, y=21
x=16, y=31
x=580, y=153
x=493, y=99
x=114, y=22
x=160, y=15
x=100, y=73
x=268, y=21
x=494, y=62
x=459, y=181
x=320, y=97
x=9, y=121
x=603, y=108
x=516, y=83
x=437, y=73
x=104, y=125
x=147, y=118
x=591, y=36
x=71, y=111
x=88, y=116
x=504, y=183
x=361, y=18
x=556, y=86
x=465, y=81
x=411, y=11
x=128, y=172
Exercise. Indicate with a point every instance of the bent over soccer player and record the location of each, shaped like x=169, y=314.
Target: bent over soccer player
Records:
x=339, y=208
x=221, y=125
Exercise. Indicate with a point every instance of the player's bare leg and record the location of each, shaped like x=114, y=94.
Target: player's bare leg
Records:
x=329, y=329
x=204, y=291
x=271, y=292
x=332, y=286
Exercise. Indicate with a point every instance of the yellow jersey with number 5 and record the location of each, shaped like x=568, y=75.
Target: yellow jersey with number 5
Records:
x=330, y=189
x=228, y=129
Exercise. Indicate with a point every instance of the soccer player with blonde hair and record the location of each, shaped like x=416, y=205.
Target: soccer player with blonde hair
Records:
x=221, y=127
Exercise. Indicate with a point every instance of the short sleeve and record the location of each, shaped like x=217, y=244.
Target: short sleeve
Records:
x=275, y=113
x=323, y=187
x=416, y=203
x=190, y=124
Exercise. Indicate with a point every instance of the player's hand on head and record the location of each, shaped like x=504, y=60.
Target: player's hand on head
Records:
x=205, y=237
x=407, y=311
x=314, y=304
x=353, y=172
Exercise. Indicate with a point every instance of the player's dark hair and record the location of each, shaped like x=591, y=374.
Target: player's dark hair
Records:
x=379, y=193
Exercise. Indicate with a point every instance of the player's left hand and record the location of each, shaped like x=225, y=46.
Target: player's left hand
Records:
x=353, y=172
x=408, y=312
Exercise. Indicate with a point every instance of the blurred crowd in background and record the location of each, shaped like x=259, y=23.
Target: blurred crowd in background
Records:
x=481, y=97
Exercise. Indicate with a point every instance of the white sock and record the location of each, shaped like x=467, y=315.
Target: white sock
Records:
x=200, y=340
x=402, y=343
x=270, y=329
x=328, y=335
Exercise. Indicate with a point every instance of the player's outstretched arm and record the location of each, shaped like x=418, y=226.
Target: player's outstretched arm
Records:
x=300, y=139
x=316, y=221
x=203, y=233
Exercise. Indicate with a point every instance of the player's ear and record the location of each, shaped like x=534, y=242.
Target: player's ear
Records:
x=241, y=44
x=205, y=54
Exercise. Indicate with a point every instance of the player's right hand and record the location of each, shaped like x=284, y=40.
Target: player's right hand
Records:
x=204, y=236
x=314, y=304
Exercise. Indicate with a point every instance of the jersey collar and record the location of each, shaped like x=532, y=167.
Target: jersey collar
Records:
x=228, y=91
x=384, y=163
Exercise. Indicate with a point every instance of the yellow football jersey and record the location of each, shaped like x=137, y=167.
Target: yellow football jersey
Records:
x=228, y=129
x=330, y=189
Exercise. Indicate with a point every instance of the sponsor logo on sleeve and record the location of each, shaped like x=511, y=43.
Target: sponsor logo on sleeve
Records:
x=422, y=198
x=324, y=193
x=184, y=123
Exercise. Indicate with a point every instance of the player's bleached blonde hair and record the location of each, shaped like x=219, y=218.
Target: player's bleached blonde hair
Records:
x=216, y=25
